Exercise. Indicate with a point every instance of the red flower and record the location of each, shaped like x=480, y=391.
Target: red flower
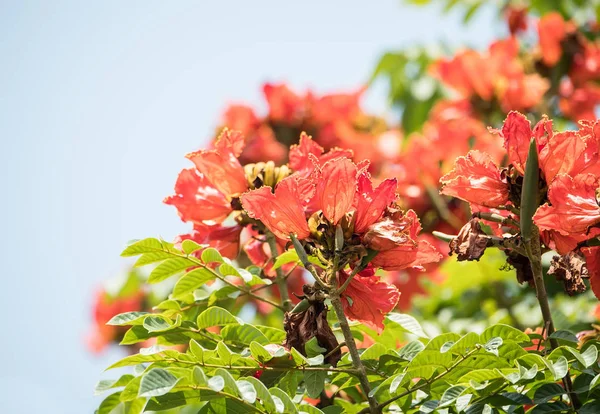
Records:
x=335, y=188
x=284, y=104
x=398, y=239
x=368, y=299
x=197, y=200
x=592, y=260
x=476, y=179
x=221, y=166
x=281, y=211
x=573, y=208
x=371, y=203
x=552, y=29
x=303, y=155
x=516, y=17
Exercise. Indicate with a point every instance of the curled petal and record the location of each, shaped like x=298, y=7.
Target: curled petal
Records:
x=300, y=153
x=230, y=142
x=197, y=200
x=371, y=203
x=403, y=257
x=574, y=205
x=284, y=104
x=563, y=154
x=335, y=188
x=517, y=133
x=476, y=179
x=368, y=299
x=221, y=167
x=592, y=260
x=282, y=212
x=303, y=155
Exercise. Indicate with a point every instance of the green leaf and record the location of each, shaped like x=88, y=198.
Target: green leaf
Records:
x=547, y=392
x=288, y=405
x=315, y=382
x=199, y=376
x=465, y=344
x=243, y=334
x=592, y=407
x=169, y=268
x=260, y=353
x=554, y=408
x=157, y=382
x=145, y=246
x=286, y=257
x=190, y=246
x=247, y=391
x=263, y=394
x=191, y=281
x=159, y=323
x=407, y=323
x=215, y=316
x=505, y=332
x=563, y=335
x=216, y=383
x=559, y=368
x=105, y=385
x=211, y=255
x=128, y=318
x=230, y=384
x=110, y=403
x=451, y=394
x=152, y=257
x=312, y=348
x=590, y=356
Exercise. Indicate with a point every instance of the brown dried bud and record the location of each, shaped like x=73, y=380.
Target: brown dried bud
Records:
x=470, y=243
x=311, y=323
x=521, y=265
x=570, y=269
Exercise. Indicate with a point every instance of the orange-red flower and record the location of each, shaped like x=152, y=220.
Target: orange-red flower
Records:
x=573, y=207
x=476, y=179
x=368, y=299
x=283, y=210
x=497, y=73
x=592, y=260
x=552, y=29
x=408, y=250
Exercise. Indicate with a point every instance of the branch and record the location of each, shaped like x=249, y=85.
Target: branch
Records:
x=426, y=383
x=534, y=254
x=280, y=279
x=305, y=262
x=442, y=208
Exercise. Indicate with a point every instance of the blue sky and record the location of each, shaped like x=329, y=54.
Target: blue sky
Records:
x=99, y=102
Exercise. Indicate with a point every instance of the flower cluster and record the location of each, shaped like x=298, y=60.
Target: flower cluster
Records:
x=310, y=197
x=569, y=181
x=334, y=120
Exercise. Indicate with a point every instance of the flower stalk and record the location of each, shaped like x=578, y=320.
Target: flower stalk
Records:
x=280, y=278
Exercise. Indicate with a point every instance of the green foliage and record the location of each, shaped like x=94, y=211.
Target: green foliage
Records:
x=227, y=365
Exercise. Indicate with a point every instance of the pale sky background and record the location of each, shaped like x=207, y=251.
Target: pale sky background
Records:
x=99, y=102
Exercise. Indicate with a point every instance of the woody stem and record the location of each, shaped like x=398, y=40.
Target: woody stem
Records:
x=358, y=365
x=336, y=302
x=280, y=279
x=534, y=254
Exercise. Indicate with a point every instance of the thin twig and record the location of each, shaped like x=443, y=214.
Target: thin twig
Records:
x=280, y=278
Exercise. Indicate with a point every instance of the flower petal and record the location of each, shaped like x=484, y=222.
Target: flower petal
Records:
x=476, y=179
x=517, y=133
x=221, y=167
x=371, y=203
x=368, y=299
x=335, y=188
x=197, y=200
x=574, y=206
x=282, y=212
x=592, y=260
